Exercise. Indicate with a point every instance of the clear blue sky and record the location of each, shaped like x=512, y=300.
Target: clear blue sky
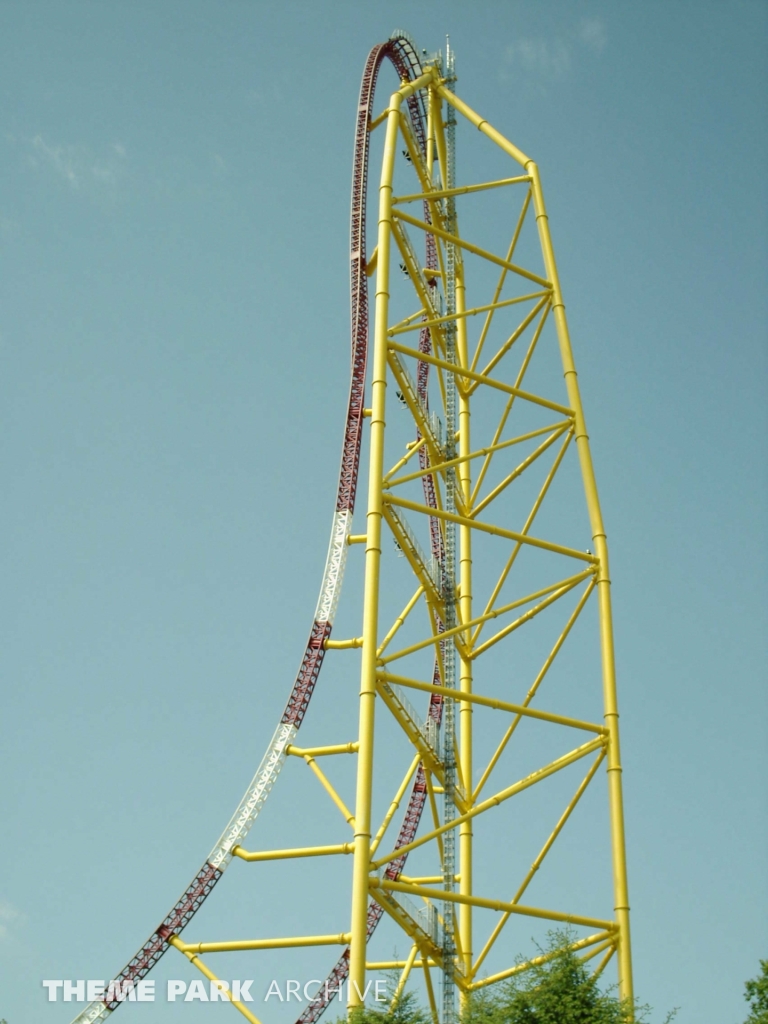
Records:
x=174, y=190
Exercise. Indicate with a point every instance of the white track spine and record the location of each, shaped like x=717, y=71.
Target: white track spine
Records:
x=255, y=797
x=334, y=567
x=93, y=1013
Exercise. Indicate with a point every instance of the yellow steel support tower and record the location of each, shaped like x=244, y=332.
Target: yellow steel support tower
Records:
x=468, y=338
x=378, y=671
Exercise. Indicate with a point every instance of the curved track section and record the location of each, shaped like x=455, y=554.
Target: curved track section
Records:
x=400, y=52
x=417, y=800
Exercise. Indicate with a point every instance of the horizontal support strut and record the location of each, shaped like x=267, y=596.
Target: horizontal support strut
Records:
x=290, y=854
x=497, y=705
x=497, y=531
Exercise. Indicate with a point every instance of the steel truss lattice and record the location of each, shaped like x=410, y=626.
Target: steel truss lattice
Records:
x=468, y=408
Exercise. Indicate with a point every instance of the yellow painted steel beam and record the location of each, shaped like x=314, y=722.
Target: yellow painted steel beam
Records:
x=536, y=961
x=395, y=802
x=526, y=527
x=488, y=904
x=410, y=319
x=330, y=790
x=434, y=124
x=496, y=531
x=526, y=617
x=502, y=278
x=457, y=925
x=338, y=748
x=367, y=699
x=413, y=449
x=434, y=640
x=419, y=281
x=518, y=470
x=291, y=942
x=439, y=133
x=399, y=621
x=429, y=757
x=343, y=645
x=403, y=979
x=381, y=505
x=423, y=170
x=462, y=243
x=382, y=117
x=497, y=705
x=401, y=533
x=463, y=314
x=461, y=190
x=604, y=962
x=615, y=795
x=478, y=453
x=493, y=801
x=402, y=918
x=417, y=410
x=514, y=336
x=429, y=78
x=174, y=940
x=391, y=965
x=540, y=858
x=431, y=145
x=511, y=400
x=597, y=950
x=417, y=157
x=425, y=879
x=560, y=587
x=290, y=854
x=484, y=126
x=534, y=687
x=430, y=991
x=507, y=389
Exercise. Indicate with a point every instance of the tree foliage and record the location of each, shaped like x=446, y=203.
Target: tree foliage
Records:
x=561, y=989
x=756, y=994
x=405, y=1010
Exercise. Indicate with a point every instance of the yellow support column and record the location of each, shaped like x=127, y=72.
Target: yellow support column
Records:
x=362, y=855
x=615, y=798
x=465, y=664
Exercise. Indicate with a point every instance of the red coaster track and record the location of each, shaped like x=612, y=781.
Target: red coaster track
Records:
x=400, y=52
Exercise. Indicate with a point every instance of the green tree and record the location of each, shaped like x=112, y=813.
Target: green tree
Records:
x=756, y=994
x=561, y=990
x=405, y=1010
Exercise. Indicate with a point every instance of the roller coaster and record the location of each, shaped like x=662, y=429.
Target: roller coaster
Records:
x=446, y=517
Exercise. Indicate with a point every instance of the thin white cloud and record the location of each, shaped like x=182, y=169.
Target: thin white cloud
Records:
x=107, y=176
x=540, y=57
x=62, y=159
x=78, y=165
x=102, y=176
x=593, y=34
x=547, y=60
